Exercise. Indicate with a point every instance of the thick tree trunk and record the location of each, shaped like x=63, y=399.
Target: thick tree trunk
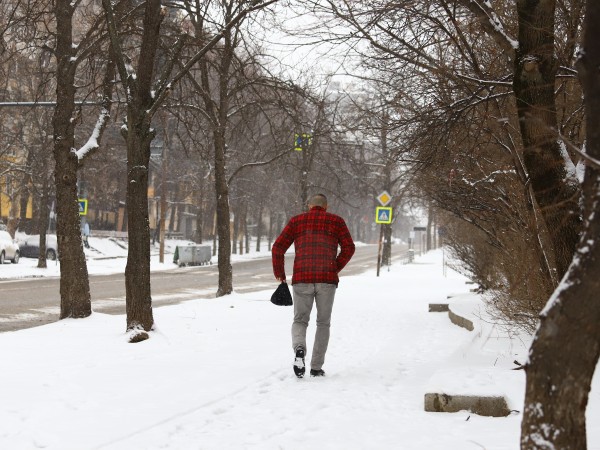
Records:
x=139, y=136
x=565, y=351
x=75, y=300
x=137, y=271
x=534, y=80
x=222, y=191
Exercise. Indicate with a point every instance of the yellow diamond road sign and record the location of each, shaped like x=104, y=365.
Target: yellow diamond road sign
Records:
x=384, y=198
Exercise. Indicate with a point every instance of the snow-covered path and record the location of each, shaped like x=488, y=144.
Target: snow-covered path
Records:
x=383, y=348
x=217, y=375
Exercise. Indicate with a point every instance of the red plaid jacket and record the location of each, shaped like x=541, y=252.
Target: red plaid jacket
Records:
x=316, y=235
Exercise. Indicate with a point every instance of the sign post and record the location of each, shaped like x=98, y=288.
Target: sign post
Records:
x=383, y=215
x=379, y=249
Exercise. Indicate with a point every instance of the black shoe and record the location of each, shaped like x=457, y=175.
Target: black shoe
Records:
x=299, y=366
x=317, y=373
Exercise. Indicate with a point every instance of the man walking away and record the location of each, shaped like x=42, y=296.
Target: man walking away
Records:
x=316, y=236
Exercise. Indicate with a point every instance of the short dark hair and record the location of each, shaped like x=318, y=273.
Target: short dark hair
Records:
x=318, y=200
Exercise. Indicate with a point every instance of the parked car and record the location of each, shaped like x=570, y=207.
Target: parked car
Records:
x=9, y=248
x=30, y=247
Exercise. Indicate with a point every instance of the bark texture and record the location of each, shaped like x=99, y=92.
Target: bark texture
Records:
x=75, y=300
x=565, y=351
x=223, y=230
x=534, y=81
x=139, y=137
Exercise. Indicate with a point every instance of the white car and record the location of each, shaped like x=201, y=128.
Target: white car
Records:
x=9, y=249
x=30, y=246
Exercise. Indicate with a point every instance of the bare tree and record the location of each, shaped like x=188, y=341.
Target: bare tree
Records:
x=225, y=83
x=534, y=83
x=145, y=93
x=74, y=283
x=39, y=29
x=454, y=69
x=566, y=347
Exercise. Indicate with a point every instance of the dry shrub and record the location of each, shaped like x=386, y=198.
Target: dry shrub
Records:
x=510, y=276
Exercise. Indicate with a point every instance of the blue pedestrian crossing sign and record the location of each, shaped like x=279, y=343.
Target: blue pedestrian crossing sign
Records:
x=83, y=204
x=383, y=214
x=302, y=141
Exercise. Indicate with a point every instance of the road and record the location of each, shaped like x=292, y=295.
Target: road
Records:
x=31, y=302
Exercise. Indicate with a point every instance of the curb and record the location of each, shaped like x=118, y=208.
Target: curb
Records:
x=460, y=321
x=490, y=406
x=439, y=307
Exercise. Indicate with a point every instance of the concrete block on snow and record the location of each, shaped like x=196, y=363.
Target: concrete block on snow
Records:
x=481, y=405
x=438, y=307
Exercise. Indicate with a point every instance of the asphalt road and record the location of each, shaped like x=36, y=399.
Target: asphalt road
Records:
x=31, y=302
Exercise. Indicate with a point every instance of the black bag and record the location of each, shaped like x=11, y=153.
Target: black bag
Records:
x=282, y=296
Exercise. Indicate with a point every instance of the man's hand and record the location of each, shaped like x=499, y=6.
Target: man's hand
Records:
x=281, y=280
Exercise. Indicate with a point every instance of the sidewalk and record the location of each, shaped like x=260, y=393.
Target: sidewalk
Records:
x=217, y=374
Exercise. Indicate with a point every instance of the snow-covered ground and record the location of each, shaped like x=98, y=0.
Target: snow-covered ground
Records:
x=107, y=256
x=217, y=374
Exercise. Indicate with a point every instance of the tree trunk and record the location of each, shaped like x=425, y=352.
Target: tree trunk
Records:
x=139, y=136
x=222, y=191
x=259, y=225
x=236, y=231
x=565, y=351
x=200, y=214
x=43, y=224
x=429, y=227
x=215, y=234
x=75, y=300
x=246, y=237
x=244, y=247
x=24, y=197
x=534, y=81
x=137, y=271
x=174, y=218
x=270, y=232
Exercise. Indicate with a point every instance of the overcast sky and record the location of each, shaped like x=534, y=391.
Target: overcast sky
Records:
x=294, y=38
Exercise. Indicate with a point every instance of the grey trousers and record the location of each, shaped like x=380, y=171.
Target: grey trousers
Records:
x=322, y=294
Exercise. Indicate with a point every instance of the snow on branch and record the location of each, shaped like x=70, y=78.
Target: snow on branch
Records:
x=491, y=23
x=92, y=143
